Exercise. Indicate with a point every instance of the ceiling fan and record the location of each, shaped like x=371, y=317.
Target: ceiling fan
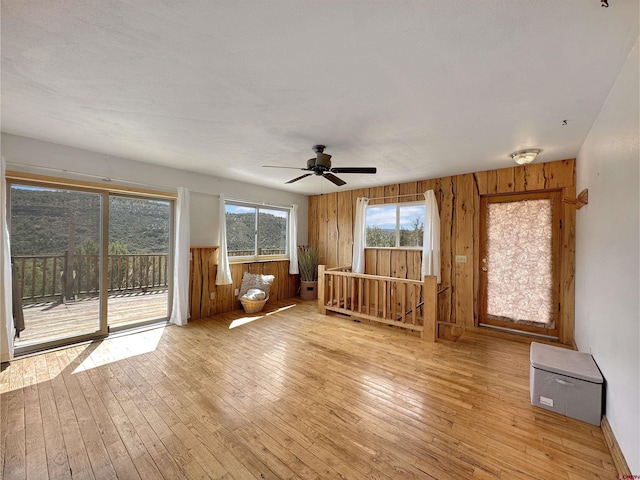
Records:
x=321, y=165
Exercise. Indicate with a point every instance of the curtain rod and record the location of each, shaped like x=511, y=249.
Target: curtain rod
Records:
x=396, y=196
x=266, y=204
x=246, y=202
x=103, y=178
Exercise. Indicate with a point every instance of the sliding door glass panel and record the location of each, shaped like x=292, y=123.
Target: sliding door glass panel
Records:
x=138, y=263
x=519, y=262
x=55, y=253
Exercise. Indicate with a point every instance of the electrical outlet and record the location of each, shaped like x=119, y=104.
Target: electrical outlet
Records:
x=212, y=295
x=237, y=292
x=461, y=259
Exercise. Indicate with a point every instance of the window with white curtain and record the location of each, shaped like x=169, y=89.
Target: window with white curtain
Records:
x=395, y=225
x=256, y=231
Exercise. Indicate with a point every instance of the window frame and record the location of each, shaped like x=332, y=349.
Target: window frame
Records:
x=257, y=257
x=397, y=205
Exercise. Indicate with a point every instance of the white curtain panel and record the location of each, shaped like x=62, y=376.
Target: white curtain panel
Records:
x=431, y=239
x=359, y=235
x=180, y=310
x=6, y=314
x=293, y=240
x=223, y=277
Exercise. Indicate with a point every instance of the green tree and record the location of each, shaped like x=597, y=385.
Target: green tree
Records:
x=118, y=248
x=379, y=237
x=412, y=237
x=88, y=247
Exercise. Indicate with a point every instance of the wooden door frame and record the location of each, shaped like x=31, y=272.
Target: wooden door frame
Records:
x=556, y=197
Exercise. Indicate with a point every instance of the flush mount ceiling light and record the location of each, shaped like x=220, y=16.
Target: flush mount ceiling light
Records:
x=525, y=157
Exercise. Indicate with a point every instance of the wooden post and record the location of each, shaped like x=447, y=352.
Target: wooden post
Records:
x=68, y=262
x=430, y=310
x=321, y=293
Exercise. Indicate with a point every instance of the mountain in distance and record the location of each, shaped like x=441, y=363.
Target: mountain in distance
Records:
x=42, y=220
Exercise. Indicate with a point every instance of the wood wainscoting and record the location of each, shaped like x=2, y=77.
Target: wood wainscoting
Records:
x=207, y=299
x=331, y=218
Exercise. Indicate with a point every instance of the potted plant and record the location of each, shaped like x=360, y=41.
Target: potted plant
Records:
x=308, y=259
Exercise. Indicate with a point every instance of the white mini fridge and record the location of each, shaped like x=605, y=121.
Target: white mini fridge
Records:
x=566, y=382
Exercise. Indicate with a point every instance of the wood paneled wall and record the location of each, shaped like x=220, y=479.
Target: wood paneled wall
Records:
x=202, y=282
x=331, y=219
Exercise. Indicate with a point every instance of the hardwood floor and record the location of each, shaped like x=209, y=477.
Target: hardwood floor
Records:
x=291, y=394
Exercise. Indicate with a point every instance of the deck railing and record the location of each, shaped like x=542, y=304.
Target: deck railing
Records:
x=251, y=253
x=69, y=276
x=409, y=304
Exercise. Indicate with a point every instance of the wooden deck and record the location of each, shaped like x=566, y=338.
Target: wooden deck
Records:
x=53, y=320
x=288, y=395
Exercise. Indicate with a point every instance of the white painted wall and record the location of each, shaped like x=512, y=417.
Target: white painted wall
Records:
x=607, y=256
x=50, y=158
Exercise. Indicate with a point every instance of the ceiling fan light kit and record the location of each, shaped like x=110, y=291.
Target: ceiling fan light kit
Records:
x=321, y=166
x=525, y=157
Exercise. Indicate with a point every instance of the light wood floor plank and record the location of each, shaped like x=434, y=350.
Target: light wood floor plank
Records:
x=36, y=461
x=14, y=466
x=94, y=447
x=4, y=414
x=57, y=457
x=288, y=395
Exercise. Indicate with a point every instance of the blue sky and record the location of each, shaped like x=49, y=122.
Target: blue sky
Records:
x=384, y=216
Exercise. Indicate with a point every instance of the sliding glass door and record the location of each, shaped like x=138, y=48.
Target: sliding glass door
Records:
x=85, y=262
x=138, y=266
x=55, y=251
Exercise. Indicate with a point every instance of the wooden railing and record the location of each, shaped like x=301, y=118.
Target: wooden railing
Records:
x=409, y=304
x=45, y=277
x=251, y=253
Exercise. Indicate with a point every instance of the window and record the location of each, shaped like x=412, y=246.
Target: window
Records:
x=395, y=225
x=256, y=231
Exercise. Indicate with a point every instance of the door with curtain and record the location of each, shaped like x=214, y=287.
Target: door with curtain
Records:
x=519, y=262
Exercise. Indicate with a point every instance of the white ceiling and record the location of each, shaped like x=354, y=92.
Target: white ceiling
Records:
x=418, y=89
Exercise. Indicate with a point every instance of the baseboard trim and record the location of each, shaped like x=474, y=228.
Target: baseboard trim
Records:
x=614, y=448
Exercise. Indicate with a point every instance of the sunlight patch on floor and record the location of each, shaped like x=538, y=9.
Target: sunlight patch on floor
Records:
x=238, y=322
x=119, y=348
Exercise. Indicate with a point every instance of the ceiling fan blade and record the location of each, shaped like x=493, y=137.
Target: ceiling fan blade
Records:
x=299, y=178
x=331, y=177
x=280, y=166
x=354, y=170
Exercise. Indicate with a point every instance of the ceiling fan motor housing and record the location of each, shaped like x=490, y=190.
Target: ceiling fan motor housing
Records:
x=323, y=161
